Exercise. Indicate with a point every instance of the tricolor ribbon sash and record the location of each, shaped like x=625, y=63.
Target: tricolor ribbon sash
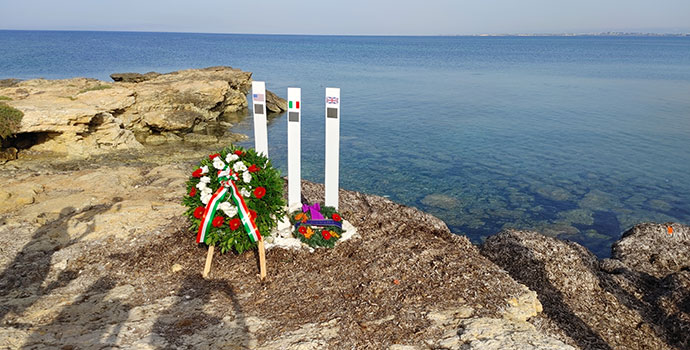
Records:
x=227, y=186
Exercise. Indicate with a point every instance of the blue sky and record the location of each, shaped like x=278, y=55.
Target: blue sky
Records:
x=355, y=17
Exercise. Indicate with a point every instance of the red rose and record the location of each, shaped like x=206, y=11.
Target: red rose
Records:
x=336, y=217
x=238, y=152
x=199, y=212
x=252, y=213
x=326, y=235
x=213, y=156
x=234, y=224
x=302, y=230
x=192, y=193
x=217, y=221
x=253, y=168
x=197, y=173
x=259, y=192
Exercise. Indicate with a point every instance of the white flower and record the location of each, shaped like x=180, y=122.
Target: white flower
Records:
x=205, y=198
x=246, y=177
x=231, y=157
x=229, y=209
x=204, y=170
x=201, y=186
x=245, y=193
x=205, y=180
x=207, y=191
x=218, y=163
x=239, y=166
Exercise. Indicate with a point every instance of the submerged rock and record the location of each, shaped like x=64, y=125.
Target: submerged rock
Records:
x=440, y=201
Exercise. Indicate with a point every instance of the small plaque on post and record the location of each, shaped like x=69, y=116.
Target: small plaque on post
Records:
x=259, y=108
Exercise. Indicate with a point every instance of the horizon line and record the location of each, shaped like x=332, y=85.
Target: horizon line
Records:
x=601, y=33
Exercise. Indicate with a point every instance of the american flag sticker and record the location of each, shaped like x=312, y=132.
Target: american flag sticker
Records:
x=258, y=97
x=332, y=100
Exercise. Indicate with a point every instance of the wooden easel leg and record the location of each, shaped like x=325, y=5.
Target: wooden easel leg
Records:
x=262, y=259
x=209, y=258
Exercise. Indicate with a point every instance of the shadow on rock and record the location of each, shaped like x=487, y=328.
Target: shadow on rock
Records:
x=532, y=272
x=186, y=319
x=24, y=277
x=93, y=321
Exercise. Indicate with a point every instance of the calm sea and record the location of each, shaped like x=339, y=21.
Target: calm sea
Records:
x=577, y=137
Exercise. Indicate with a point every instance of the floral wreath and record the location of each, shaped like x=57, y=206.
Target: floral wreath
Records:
x=214, y=205
x=317, y=226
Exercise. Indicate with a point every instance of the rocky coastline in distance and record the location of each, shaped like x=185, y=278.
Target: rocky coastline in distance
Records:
x=96, y=252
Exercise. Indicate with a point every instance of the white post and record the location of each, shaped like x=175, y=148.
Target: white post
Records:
x=260, y=129
x=332, y=146
x=294, y=148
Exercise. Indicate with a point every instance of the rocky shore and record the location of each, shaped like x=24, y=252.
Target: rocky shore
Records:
x=96, y=254
x=80, y=116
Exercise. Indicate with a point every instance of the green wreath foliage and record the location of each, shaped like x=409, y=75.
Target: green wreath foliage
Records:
x=314, y=235
x=268, y=207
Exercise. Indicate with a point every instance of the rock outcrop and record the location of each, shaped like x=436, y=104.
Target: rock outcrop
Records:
x=275, y=104
x=84, y=116
x=657, y=250
x=636, y=300
x=133, y=77
x=97, y=254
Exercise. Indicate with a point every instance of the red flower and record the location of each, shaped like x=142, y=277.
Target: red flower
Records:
x=197, y=173
x=213, y=156
x=326, y=235
x=199, y=212
x=336, y=217
x=302, y=230
x=239, y=153
x=252, y=214
x=253, y=168
x=192, y=193
x=259, y=192
x=217, y=221
x=234, y=224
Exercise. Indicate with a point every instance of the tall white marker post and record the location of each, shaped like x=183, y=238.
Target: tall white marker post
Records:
x=332, y=146
x=294, y=148
x=261, y=146
x=260, y=129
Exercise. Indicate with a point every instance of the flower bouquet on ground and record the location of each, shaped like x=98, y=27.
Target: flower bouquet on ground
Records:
x=317, y=225
x=214, y=189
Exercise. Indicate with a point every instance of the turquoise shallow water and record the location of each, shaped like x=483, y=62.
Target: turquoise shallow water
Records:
x=577, y=137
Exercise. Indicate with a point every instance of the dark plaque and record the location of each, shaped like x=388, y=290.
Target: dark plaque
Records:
x=258, y=108
x=331, y=113
x=293, y=116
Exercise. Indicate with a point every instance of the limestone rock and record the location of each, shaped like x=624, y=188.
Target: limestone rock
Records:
x=502, y=334
x=8, y=82
x=133, y=77
x=200, y=138
x=654, y=249
x=274, y=103
x=85, y=116
x=584, y=304
x=8, y=154
x=523, y=307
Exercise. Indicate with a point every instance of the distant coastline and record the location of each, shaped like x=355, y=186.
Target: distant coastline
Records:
x=635, y=34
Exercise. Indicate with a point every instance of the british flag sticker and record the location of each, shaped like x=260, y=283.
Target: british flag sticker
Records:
x=332, y=100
